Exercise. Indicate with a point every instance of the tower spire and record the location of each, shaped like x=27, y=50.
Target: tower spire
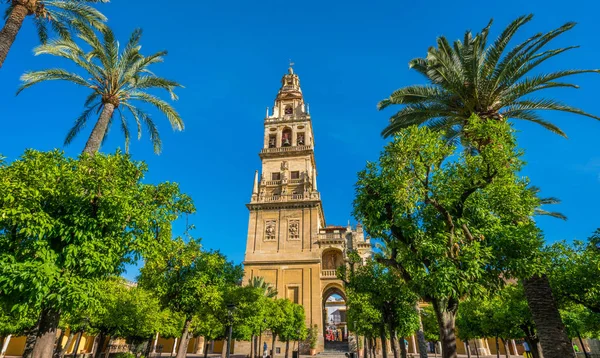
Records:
x=255, y=188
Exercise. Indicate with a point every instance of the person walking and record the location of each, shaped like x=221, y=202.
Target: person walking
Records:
x=265, y=350
x=527, y=350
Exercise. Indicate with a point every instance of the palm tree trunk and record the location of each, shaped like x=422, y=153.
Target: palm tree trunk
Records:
x=551, y=330
x=421, y=335
x=11, y=29
x=185, y=340
x=95, y=140
x=44, y=344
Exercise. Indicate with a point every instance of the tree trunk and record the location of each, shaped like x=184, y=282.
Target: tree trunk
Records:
x=287, y=349
x=260, y=344
x=252, y=344
x=468, y=348
x=95, y=140
x=185, y=340
x=497, y=348
x=58, y=346
x=383, y=341
x=149, y=345
x=551, y=330
x=403, y=352
x=273, y=345
x=101, y=339
x=421, y=335
x=506, y=349
x=365, y=349
x=67, y=345
x=393, y=337
x=46, y=335
x=585, y=353
x=76, y=347
x=445, y=311
x=11, y=29
x=476, y=348
x=206, y=349
x=30, y=341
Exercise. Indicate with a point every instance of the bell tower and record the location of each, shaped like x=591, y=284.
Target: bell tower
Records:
x=288, y=243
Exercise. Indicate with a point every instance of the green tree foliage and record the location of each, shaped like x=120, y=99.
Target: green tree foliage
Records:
x=189, y=281
x=581, y=322
x=501, y=314
x=455, y=224
x=118, y=80
x=57, y=15
x=382, y=289
x=430, y=324
x=492, y=81
x=67, y=224
x=286, y=321
x=574, y=272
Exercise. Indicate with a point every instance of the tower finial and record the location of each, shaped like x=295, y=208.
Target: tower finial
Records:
x=291, y=70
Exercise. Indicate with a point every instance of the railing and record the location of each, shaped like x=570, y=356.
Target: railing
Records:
x=286, y=149
x=328, y=273
x=272, y=182
x=292, y=197
x=296, y=181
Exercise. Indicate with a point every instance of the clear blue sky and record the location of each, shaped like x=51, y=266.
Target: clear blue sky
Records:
x=230, y=55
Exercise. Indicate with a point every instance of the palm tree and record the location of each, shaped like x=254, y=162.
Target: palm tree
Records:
x=58, y=14
x=259, y=282
x=116, y=80
x=471, y=77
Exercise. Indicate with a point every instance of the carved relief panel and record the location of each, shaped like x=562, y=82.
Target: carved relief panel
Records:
x=270, y=230
x=294, y=229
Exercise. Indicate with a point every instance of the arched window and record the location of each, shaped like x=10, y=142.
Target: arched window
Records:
x=288, y=110
x=286, y=137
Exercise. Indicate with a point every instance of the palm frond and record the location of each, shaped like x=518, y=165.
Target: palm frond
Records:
x=80, y=123
x=31, y=78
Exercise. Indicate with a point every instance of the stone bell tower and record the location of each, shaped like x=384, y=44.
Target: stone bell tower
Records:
x=288, y=243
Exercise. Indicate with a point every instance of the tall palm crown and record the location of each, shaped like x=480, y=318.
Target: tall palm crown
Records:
x=117, y=81
x=470, y=77
x=56, y=15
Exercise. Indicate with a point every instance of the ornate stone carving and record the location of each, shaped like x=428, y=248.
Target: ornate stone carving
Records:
x=294, y=229
x=284, y=165
x=270, y=230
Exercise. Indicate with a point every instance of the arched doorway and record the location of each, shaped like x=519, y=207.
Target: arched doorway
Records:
x=335, y=327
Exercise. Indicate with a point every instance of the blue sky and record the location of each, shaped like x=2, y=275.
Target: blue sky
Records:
x=230, y=55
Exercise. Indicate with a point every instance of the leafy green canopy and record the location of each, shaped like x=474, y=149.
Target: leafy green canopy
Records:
x=574, y=272
x=455, y=224
x=286, y=320
x=188, y=280
x=380, y=296
x=502, y=314
x=67, y=224
x=489, y=80
x=118, y=77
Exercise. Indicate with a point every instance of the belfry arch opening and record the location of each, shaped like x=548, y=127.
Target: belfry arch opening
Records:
x=286, y=137
x=335, y=326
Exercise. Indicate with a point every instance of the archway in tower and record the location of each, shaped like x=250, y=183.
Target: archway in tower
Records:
x=335, y=327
